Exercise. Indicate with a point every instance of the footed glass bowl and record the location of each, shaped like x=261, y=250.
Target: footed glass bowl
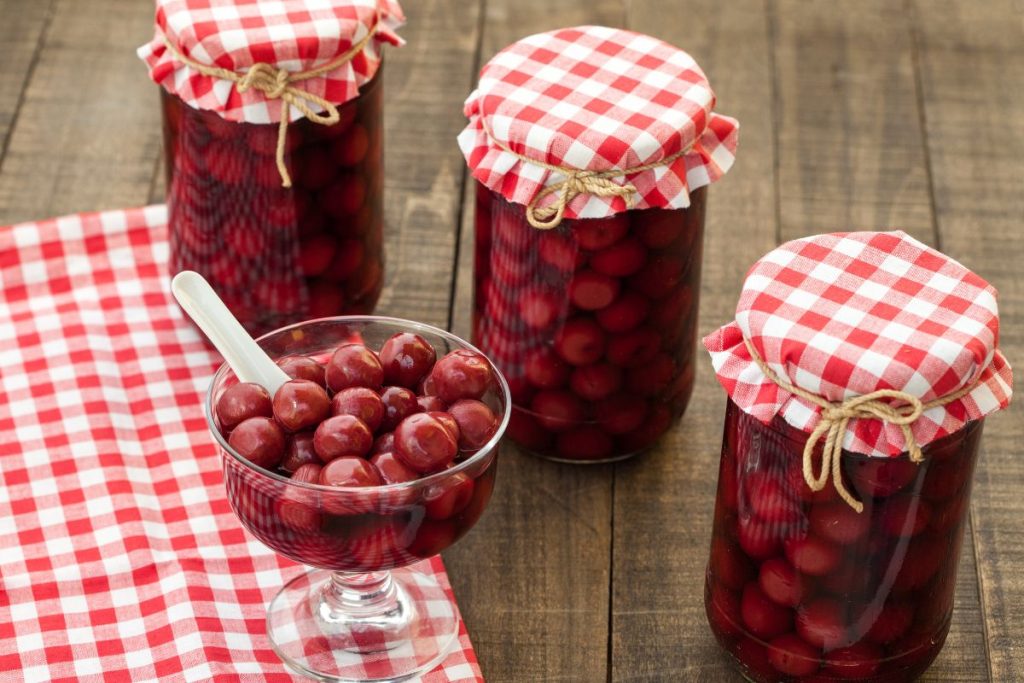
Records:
x=362, y=614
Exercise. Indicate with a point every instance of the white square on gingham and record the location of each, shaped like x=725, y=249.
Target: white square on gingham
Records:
x=120, y=558
x=888, y=312
x=599, y=99
x=297, y=35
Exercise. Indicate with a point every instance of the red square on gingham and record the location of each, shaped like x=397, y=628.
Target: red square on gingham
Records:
x=847, y=314
x=596, y=98
x=297, y=35
x=120, y=558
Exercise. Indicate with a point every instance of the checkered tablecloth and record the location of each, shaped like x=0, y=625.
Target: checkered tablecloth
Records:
x=120, y=559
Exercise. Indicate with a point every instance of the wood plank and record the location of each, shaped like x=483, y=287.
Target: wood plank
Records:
x=88, y=131
x=21, y=37
x=851, y=153
x=424, y=83
x=664, y=500
x=964, y=658
x=533, y=578
x=971, y=59
x=852, y=156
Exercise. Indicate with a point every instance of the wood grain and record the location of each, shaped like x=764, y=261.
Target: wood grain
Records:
x=21, y=38
x=851, y=150
x=88, y=132
x=972, y=85
x=665, y=499
x=424, y=83
x=533, y=577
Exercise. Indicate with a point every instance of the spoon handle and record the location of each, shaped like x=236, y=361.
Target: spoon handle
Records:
x=246, y=358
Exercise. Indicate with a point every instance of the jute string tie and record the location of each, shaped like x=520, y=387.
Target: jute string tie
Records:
x=836, y=416
x=578, y=181
x=279, y=84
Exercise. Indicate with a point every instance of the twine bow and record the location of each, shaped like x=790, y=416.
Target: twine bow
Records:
x=836, y=416
x=279, y=84
x=578, y=181
x=575, y=184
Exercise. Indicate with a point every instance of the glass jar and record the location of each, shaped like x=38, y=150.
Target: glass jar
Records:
x=590, y=204
x=593, y=323
x=801, y=587
x=278, y=254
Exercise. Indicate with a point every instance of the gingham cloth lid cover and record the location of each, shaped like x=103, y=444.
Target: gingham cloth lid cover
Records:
x=596, y=98
x=846, y=314
x=296, y=35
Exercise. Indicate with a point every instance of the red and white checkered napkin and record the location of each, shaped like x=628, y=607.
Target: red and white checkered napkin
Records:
x=296, y=35
x=596, y=98
x=120, y=558
x=846, y=314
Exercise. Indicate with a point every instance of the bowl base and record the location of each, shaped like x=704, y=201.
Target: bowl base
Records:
x=401, y=629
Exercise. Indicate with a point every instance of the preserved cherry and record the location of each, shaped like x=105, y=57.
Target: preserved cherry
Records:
x=361, y=402
x=826, y=593
x=242, y=401
x=299, y=452
x=354, y=365
x=593, y=323
x=301, y=404
x=260, y=441
x=303, y=367
x=406, y=359
x=476, y=423
x=342, y=436
x=277, y=255
x=424, y=444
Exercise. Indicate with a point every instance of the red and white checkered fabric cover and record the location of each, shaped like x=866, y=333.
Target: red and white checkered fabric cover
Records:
x=120, y=558
x=296, y=35
x=846, y=314
x=596, y=98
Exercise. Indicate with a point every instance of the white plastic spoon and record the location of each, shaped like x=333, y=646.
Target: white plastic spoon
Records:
x=246, y=358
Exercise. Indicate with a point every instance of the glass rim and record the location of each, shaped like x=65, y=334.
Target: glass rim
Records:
x=407, y=326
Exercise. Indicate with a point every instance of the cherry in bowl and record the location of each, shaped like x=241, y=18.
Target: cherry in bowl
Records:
x=362, y=482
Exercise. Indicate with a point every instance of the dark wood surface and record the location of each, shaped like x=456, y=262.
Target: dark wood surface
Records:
x=856, y=114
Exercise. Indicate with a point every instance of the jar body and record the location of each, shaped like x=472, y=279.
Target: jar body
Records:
x=278, y=255
x=593, y=323
x=802, y=587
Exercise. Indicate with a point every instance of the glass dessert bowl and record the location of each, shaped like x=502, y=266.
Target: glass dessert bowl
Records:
x=361, y=466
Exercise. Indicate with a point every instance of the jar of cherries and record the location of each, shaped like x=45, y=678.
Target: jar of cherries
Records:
x=274, y=152
x=592, y=149
x=860, y=369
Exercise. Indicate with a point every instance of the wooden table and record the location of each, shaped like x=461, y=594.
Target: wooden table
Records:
x=855, y=114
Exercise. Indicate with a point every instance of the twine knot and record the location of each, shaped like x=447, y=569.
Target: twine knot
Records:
x=267, y=78
x=594, y=183
x=836, y=416
x=279, y=84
